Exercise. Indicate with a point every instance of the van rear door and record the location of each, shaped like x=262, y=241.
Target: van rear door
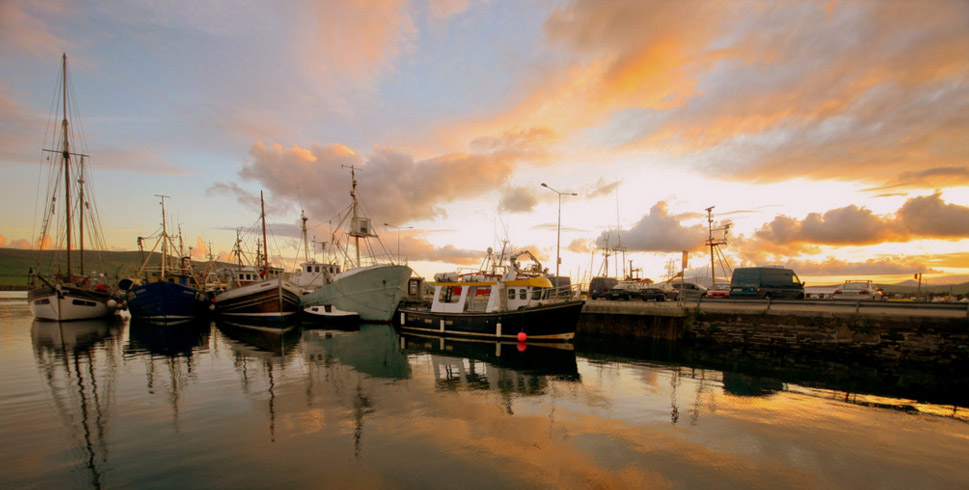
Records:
x=745, y=282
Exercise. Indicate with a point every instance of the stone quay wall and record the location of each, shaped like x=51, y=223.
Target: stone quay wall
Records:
x=900, y=337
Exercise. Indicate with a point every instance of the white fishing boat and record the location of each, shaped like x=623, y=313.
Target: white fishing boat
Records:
x=263, y=297
x=326, y=316
x=311, y=273
x=373, y=290
x=69, y=294
x=502, y=301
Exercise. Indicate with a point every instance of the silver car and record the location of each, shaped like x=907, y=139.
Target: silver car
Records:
x=689, y=290
x=858, y=290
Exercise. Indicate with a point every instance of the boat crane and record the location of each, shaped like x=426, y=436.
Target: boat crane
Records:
x=714, y=244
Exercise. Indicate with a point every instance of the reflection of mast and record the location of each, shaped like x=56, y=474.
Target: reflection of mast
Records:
x=272, y=401
x=362, y=406
x=74, y=352
x=674, y=384
x=715, y=252
x=701, y=384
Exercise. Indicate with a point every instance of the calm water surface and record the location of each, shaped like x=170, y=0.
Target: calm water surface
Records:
x=112, y=404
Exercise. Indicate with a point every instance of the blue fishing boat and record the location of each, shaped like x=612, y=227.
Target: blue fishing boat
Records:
x=168, y=293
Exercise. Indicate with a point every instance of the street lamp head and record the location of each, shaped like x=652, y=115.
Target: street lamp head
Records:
x=573, y=194
x=544, y=184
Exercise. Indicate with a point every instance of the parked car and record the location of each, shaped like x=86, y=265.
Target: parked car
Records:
x=599, y=286
x=855, y=290
x=625, y=290
x=719, y=290
x=766, y=282
x=690, y=290
x=659, y=292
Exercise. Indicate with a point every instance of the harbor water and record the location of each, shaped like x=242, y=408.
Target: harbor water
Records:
x=111, y=404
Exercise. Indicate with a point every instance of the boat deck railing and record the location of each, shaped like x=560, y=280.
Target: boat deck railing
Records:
x=565, y=293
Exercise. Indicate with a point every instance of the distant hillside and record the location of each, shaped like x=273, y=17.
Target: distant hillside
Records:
x=16, y=263
x=911, y=287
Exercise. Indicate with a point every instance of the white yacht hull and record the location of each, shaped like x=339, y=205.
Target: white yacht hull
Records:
x=69, y=304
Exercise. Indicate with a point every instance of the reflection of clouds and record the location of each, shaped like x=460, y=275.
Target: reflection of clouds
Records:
x=321, y=409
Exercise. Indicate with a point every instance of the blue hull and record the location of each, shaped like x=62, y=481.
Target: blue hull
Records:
x=167, y=302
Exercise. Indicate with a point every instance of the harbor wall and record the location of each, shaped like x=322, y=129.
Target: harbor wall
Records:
x=839, y=335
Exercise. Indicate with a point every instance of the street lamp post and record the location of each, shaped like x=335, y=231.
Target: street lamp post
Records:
x=398, y=235
x=558, y=230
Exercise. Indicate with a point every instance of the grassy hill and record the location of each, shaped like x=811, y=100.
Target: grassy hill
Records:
x=939, y=289
x=15, y=264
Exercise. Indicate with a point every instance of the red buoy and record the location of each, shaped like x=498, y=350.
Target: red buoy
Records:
x=522, y=337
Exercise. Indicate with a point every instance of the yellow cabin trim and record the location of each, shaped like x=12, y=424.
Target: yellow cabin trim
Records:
x=536, y=282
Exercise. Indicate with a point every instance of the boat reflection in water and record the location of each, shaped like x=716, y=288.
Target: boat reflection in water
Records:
x=506, y=367
x=260, y=351
x=343, y=368
x=162, y=339
x=174, y=349
x=372, y=350
x=79, y=362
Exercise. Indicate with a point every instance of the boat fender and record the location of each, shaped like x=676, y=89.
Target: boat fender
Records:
x=522, y=336
x=111, y=304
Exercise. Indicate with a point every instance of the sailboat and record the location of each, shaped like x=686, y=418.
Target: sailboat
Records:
x=373, y=291
x=169, y=294
x=69, y=294
x=268, y=301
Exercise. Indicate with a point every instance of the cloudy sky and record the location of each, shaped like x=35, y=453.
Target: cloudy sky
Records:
x=833, y=136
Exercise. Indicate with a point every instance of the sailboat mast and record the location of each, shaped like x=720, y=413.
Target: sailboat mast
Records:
x=164, y=238
x=80, y=210
x=265, y=249
x=66, y=155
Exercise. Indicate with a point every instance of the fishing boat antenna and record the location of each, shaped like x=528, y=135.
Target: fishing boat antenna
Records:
x=354, y=232
x=306, y=245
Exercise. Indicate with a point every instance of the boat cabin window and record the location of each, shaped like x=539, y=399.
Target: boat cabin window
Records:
x=511, y=293
x=538, y=293
x=523, y=293
x=449, y=294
